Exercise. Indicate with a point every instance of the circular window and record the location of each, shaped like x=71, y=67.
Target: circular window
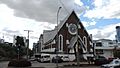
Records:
x=72, y=28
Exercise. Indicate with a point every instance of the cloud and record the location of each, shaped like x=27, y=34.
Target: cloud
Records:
x=10, y=31
x=78, y=2
x=107, y=9
x=33, y=37
x=40, y=10
x=7, y=32
x=101, y=35
x=10, y=23
x=107, y=32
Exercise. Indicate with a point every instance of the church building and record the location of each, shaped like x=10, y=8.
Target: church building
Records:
x=68, y=37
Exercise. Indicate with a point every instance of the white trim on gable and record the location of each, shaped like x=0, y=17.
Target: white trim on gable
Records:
x=85, y=42
x=67, y=42
x=60, y=43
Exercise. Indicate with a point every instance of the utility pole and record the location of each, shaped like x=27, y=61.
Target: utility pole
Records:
x=28, y=31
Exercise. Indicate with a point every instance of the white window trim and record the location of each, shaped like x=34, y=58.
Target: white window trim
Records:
x=61, y=42
x=85, y=42
x=67, y=42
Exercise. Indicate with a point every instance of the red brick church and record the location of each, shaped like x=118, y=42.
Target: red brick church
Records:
x=66, y=36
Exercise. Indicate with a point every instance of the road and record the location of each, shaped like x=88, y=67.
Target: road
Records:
x=61, y=65
x=4, y=64
x=36, y=64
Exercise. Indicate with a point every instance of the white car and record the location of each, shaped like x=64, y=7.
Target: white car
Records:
x=65, y=58
x=45, y=58
x=113, y=64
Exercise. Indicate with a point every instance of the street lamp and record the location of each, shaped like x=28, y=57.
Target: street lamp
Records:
x=57, y=37
x=57, y=16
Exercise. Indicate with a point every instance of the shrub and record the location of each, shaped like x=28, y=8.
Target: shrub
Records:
x=19, y=63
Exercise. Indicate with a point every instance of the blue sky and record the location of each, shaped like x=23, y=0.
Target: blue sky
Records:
x=100, y=17
x=101, y=21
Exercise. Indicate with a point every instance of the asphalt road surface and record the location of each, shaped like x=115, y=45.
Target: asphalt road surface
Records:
x=60, y=65
x=4, y=64
x=36, y=64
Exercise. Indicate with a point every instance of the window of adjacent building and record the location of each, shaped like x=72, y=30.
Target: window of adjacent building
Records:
x=110, y=42
x=99, y=51
x=60, y=42
x=99, y=44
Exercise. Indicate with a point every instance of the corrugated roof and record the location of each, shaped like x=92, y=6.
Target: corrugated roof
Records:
x=48, y=35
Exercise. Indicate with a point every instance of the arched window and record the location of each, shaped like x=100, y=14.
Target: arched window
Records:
x=85, y=42
x=60, y=42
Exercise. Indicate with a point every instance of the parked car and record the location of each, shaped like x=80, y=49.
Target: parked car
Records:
x=57, y=59
x=65, y=58
x=99, y=60
x=45, y=58
x=111, y=59
x=114, y=64
x=38, y=59
x=32, y=59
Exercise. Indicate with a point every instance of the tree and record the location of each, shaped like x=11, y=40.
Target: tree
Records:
x=117, y=53
x=7, y=51
x=2, y=52
x=20, y=41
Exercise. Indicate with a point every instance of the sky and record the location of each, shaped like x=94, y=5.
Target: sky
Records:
x=99, y=17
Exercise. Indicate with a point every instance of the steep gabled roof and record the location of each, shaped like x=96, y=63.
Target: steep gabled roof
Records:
x=50, y=34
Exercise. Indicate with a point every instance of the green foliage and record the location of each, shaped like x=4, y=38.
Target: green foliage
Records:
x=19, y=63
x=11, y=51
x=31, y=53
x=7, y=51
x=2, y=52
x=20, y=41
x=117, y=53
